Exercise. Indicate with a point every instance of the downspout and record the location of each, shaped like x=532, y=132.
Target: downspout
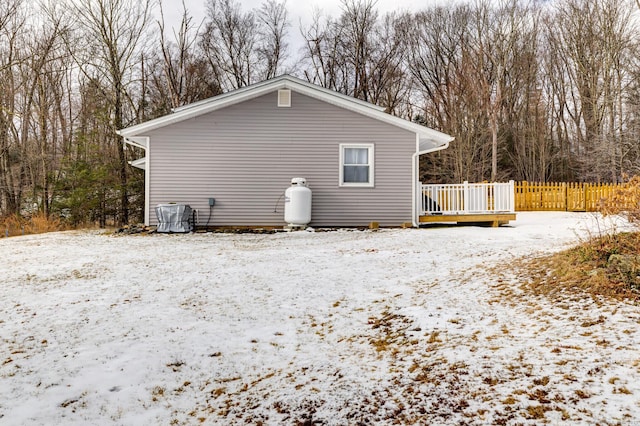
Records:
x=416, y=166
x=147, y=186
x=414, y=190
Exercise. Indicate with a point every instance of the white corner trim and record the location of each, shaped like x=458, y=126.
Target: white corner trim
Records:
x=147, y=184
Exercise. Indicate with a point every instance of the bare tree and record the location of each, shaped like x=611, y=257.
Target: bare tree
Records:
x=115, y=30
x=229, y=41
x=34, y=120
x=387, y=79
x=12, y=29
x=44, y=74
x=590, y=43
x=360, y=54
x=517, y=105
x=359, y=18
x=445, y=76
x=272, y=45
x=244, y=47
x=324, y=63
x=183, y=75
x=175, y=63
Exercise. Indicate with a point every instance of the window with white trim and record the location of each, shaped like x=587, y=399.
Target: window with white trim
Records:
x=356, y=165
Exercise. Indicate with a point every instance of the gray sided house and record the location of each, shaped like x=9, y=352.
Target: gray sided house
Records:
x=244, y=147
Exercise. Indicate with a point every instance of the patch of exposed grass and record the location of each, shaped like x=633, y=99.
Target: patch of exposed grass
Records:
x=13, y=225
x=541, y=382
x=536, y=412
x=607, y=265
x=509, y=400
x=583, y=394
x=434, y=337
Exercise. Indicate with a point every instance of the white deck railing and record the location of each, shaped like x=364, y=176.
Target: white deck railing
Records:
x=468, y=198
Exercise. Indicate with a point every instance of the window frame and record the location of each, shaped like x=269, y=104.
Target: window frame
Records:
x=371, y=164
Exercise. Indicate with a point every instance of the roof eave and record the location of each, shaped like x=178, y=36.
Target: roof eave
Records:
x=436, y=145
x=301, y=86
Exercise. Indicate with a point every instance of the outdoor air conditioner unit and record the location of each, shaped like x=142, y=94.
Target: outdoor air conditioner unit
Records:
x=174, y=218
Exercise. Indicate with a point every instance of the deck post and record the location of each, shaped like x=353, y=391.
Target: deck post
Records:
x=417, y=206
x=465, y=196
x=512, y=191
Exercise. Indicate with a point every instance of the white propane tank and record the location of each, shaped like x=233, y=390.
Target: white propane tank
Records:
x=297, y=203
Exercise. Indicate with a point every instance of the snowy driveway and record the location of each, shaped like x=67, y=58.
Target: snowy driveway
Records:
x=345, y=327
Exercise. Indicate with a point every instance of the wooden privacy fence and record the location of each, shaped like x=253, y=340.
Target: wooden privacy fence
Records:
x=574, y=197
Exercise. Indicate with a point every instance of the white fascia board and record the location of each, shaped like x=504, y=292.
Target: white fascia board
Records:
x=296, y=85
x=439, y=139
x=222, y=96
x=374, y=112
x=327, y=94
x=240, y=95
x=195, y=111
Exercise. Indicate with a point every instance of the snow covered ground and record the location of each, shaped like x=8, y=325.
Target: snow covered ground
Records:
x=346, y=327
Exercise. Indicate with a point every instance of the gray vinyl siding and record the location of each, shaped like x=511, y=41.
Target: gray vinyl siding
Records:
x=245, y=155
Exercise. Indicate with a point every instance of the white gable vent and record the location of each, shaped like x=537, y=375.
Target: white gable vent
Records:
x=284, y=98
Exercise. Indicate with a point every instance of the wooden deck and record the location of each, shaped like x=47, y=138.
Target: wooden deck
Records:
x=485, y=204
x=481, y=219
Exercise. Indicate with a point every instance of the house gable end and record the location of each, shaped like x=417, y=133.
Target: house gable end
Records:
x=429, y=139
x=245, y=156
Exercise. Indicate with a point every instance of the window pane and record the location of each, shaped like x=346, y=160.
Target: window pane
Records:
x=356, y=165
x=356, y=156
x=356, y=174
